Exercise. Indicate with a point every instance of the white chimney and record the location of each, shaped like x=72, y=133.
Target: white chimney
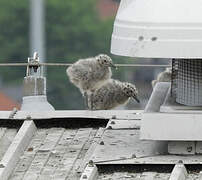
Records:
x=35, y=98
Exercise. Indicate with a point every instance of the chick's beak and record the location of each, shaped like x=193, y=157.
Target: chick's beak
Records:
x=112, y=65
x=136, y=98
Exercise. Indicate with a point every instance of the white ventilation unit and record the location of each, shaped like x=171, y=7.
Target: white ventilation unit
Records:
x=158, y=29
x=167, y=29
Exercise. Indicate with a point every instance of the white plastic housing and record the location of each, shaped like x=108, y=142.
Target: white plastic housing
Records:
x=158, y=29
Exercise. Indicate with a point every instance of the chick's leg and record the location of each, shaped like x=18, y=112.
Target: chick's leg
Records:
x=85, y=96
x=91, y=102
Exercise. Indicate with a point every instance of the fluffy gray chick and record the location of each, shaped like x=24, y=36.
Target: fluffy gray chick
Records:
x=112, y=94
x=89, y=74
x=164, y=76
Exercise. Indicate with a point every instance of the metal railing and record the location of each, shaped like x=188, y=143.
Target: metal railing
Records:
x=69, y=64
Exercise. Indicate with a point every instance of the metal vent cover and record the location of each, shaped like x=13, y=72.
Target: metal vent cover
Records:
x=187, y=81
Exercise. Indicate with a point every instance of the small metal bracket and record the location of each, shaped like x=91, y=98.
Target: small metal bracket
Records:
x=90, y=172
x=179, y=172
x=13, y=113
x=33, y=67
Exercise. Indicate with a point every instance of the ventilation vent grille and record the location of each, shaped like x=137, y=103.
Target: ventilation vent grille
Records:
x=187, y=81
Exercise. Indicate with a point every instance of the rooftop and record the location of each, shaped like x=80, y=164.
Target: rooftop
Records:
x=83, y=144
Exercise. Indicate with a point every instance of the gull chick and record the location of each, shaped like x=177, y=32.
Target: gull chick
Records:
x=112, y=94
x=89, y=74
x=164, y=76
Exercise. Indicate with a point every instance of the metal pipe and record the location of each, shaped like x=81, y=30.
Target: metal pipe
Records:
x=37, y=30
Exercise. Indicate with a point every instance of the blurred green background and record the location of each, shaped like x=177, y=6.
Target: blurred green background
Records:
x=73, y=29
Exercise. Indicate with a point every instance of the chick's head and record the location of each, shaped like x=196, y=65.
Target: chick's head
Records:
x=105, y=60
x=130, y=91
